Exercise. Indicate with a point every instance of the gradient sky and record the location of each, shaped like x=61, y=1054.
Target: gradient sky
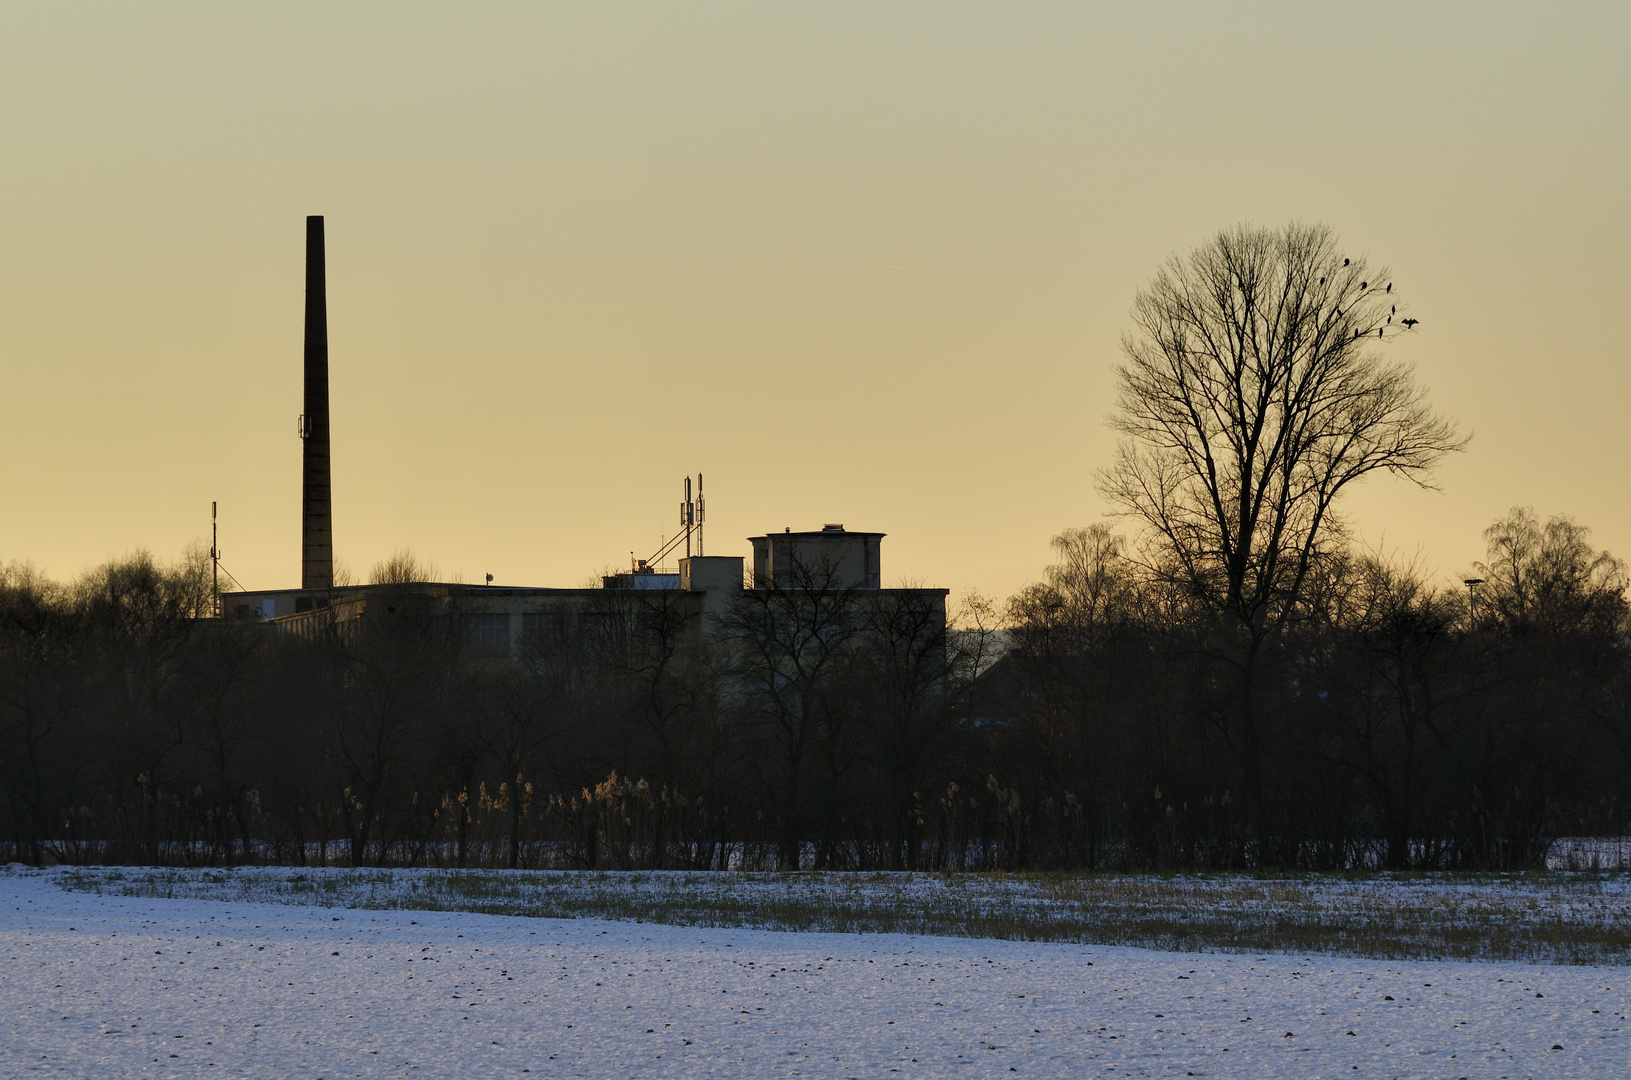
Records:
x=863, y=263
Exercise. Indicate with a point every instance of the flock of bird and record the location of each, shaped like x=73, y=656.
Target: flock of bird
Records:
x=1394, y=310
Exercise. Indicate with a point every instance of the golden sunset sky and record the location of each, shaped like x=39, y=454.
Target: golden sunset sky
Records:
x=865, y=263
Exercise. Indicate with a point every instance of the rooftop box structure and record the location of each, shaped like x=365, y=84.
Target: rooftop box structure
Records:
x=830, y=557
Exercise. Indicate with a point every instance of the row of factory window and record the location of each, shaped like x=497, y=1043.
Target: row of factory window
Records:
x=490, y=631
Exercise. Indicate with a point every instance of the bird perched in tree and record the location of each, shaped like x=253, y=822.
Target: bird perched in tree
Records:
x=1364, y=284
x=1378, y=331
x=1344, y=262
x=1390, y=320
x=1394, y=310
x=1322, y=281
x=1409, y=322
x=1390, y=286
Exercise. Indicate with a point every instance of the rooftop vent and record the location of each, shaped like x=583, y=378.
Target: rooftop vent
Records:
x=832, y=528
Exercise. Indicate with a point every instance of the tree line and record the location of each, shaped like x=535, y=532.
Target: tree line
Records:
x=1226, y=681
x=1089, y=722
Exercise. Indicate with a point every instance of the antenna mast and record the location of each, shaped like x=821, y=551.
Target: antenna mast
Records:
x=215, y=564
x=692, y=512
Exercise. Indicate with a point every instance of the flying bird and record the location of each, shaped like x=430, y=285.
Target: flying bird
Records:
x=1409, y=322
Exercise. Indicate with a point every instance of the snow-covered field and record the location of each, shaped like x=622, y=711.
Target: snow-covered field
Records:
x=98, y=986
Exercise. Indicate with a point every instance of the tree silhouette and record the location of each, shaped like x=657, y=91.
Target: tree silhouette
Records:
x=1254, y=393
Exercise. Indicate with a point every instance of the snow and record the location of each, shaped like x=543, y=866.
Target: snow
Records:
x=108, y=986
x=1589, y=853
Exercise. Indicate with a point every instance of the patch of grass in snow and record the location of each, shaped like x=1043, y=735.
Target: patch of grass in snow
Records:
x=1566, y=918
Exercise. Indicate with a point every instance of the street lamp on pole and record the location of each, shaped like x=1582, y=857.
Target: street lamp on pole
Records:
x=1471, y=583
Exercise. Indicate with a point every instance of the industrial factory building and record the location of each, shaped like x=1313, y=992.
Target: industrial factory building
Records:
x=502, y=620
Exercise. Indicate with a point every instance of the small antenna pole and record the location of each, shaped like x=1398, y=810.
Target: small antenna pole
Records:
x=215, y=563
x=702, y=514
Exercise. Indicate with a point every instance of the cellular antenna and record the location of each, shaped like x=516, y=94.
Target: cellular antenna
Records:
x=702, y=513
x=688, y=516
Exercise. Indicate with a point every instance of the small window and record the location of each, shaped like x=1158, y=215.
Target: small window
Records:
x=544, y=629
x=490, y=635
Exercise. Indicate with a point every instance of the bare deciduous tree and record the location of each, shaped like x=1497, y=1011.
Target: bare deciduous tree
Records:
x=1255, y=392
x=902, y=670
x=41, y=688
x=1549, y=576
x=1395, y=667
x=790, y=641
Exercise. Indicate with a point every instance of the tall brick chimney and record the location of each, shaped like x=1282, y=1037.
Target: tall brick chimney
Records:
x=316, y=509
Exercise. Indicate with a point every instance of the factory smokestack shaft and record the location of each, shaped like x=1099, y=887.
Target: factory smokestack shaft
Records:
x=317, y=515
